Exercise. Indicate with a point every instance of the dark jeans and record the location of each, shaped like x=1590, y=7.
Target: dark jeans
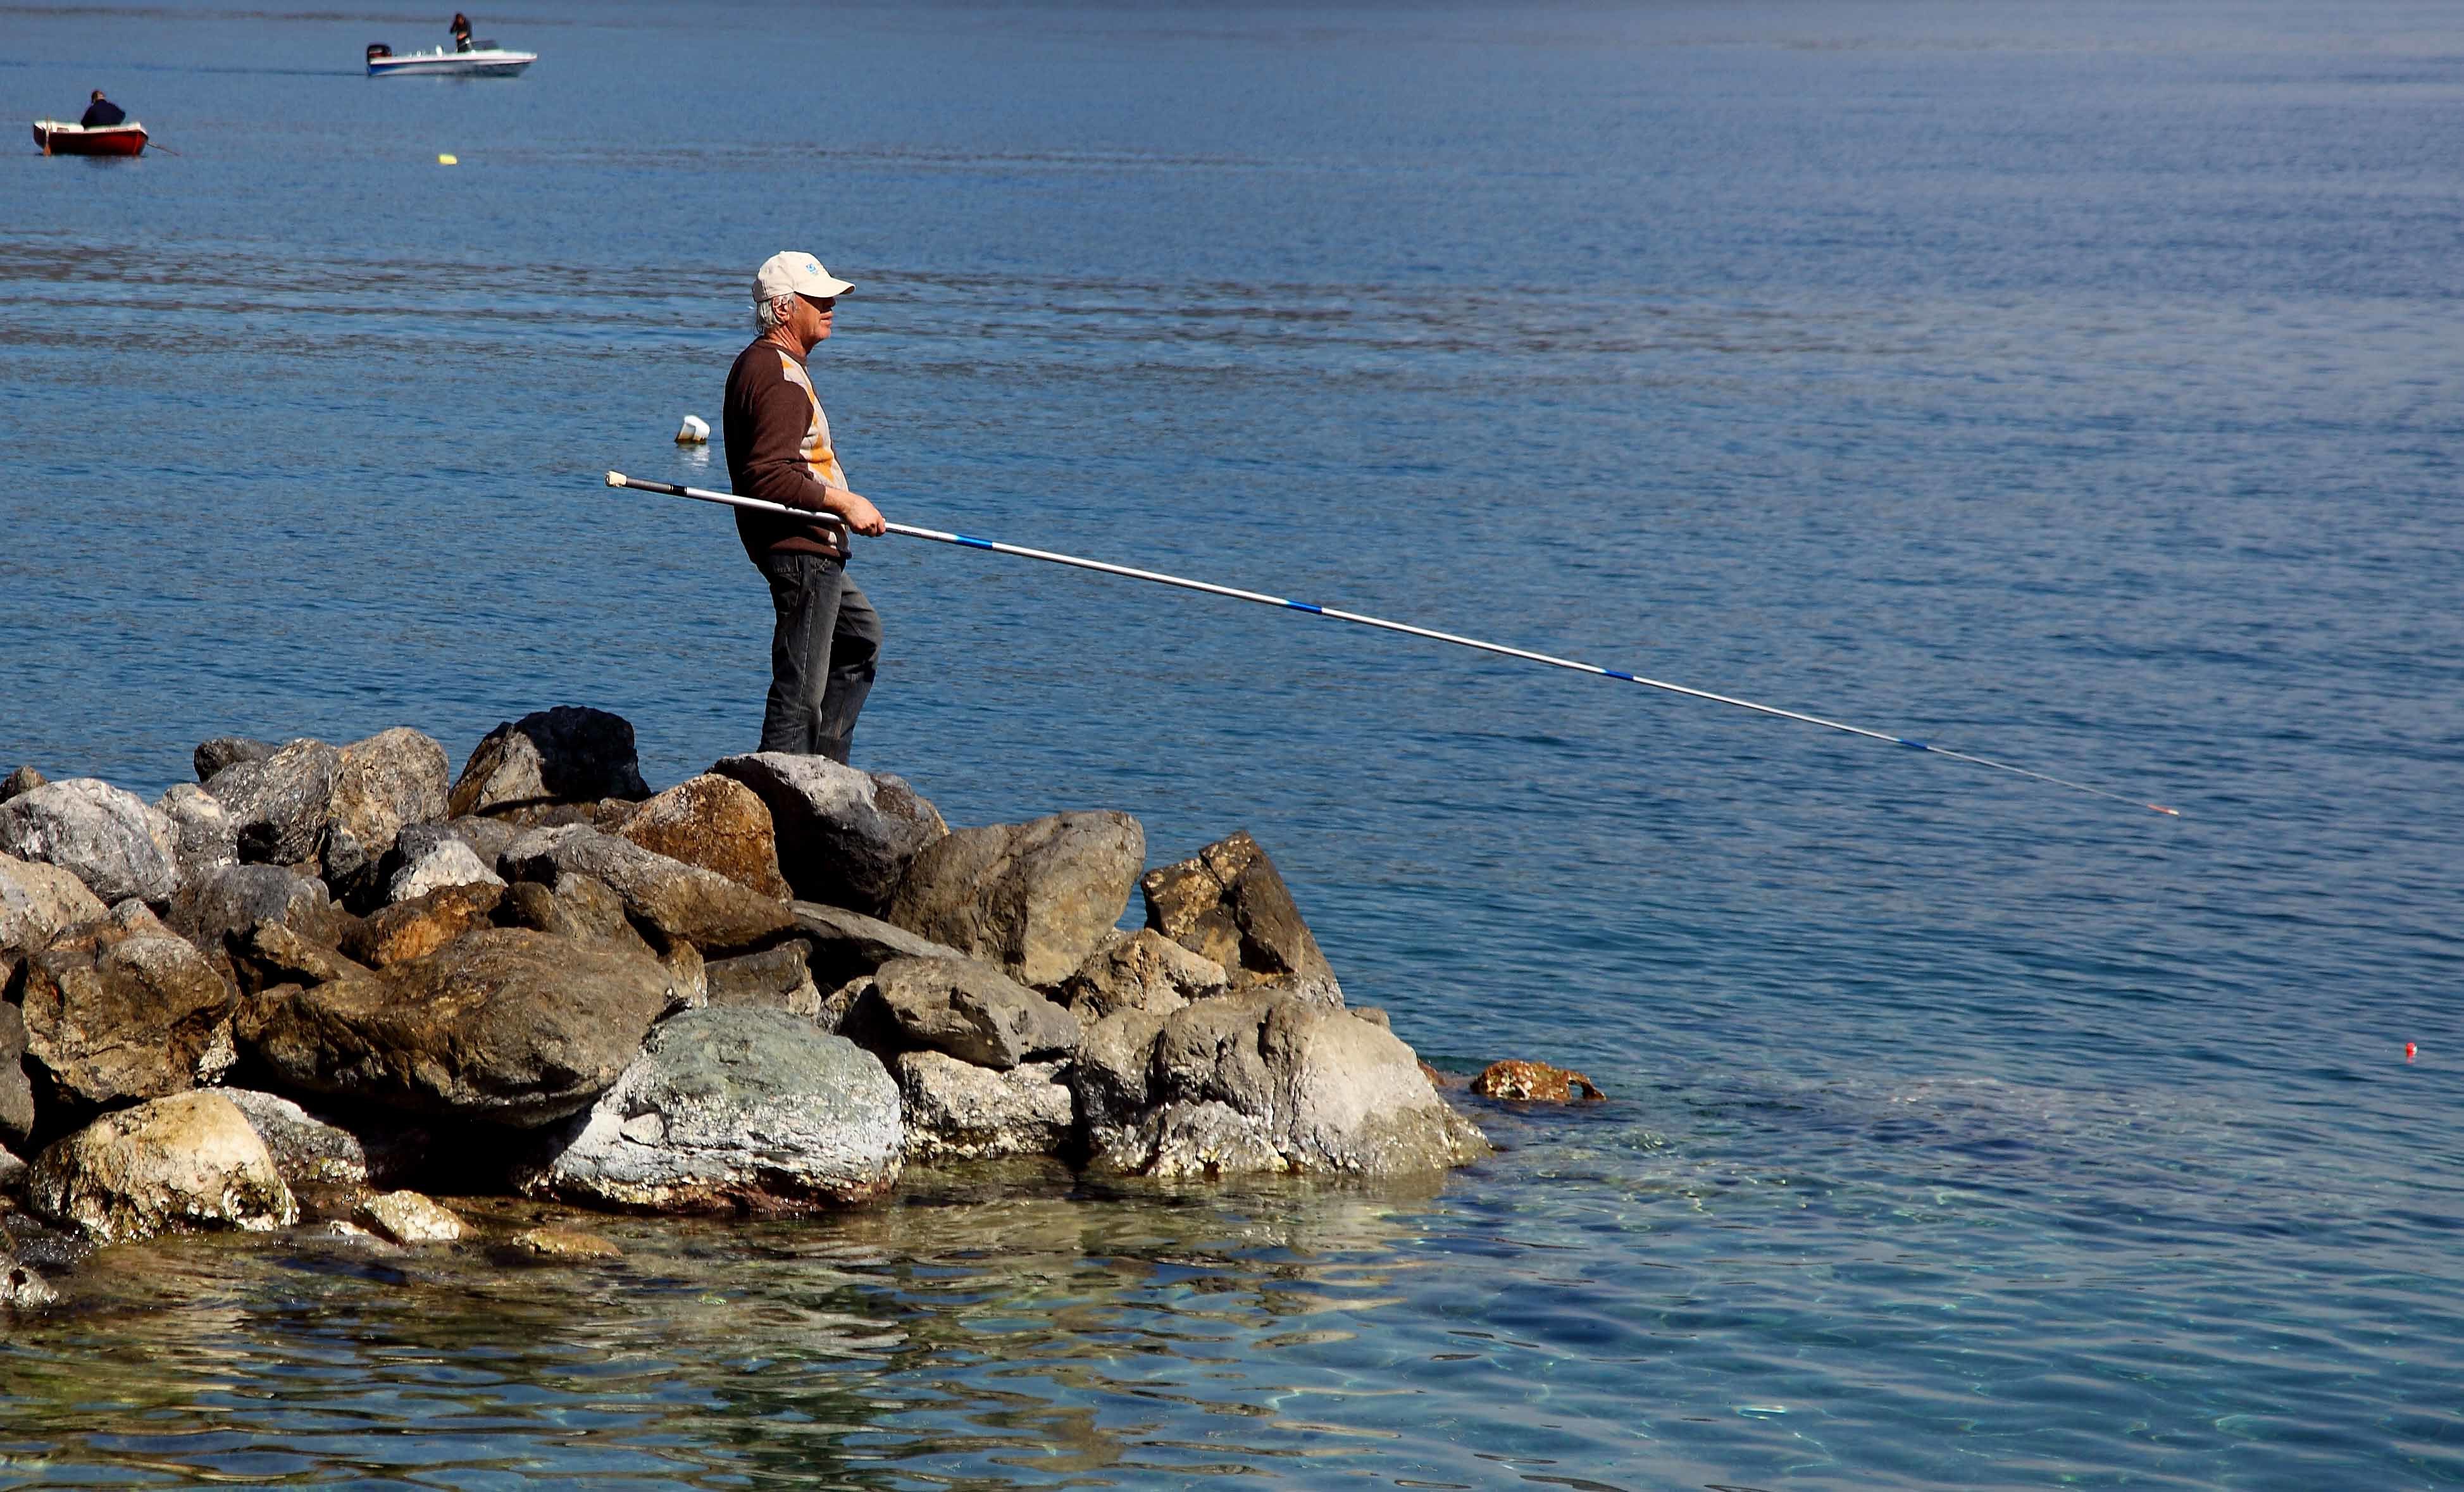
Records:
x=822, y=656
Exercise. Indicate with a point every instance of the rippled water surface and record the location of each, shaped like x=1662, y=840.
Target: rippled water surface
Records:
x=2076, y=385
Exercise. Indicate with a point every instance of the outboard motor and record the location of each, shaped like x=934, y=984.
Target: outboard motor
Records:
x=378, y=48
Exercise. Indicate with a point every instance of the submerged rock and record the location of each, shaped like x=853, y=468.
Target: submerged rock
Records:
x=1034, y=898
x=844, y=837
x=407, y=1217
x=188, y=1161
x=114, y=842
x=1227, y=903
x=567, y=755
x=1535, y=1083
x=551, y=1243
x=734, y=1109
x=22, y=1288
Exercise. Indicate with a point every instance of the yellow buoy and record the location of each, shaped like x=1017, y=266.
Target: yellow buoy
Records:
x=446, y=160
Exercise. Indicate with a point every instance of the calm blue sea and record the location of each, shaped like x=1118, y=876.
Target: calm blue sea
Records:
x=2077, y=385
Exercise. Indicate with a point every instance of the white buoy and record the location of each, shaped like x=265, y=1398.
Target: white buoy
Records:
x=696, y=431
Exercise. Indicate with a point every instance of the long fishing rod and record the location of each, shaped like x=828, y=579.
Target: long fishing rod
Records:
x=938, y=537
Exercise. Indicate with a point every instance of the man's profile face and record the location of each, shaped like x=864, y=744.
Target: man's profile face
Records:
x=813, y=317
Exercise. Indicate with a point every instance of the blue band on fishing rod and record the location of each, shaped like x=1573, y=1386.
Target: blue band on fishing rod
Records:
x=1303, y=606
x=1615, y=675
x=1911, y=745
x=973, y=543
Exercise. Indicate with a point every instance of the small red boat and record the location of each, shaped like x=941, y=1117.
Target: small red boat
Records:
x=59, y=137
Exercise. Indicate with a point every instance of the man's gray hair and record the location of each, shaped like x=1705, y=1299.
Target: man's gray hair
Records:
x=772, y=314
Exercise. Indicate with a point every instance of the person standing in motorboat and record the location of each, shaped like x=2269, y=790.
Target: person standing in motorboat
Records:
x=827, y=637
x=102, y=114
x=461, y=30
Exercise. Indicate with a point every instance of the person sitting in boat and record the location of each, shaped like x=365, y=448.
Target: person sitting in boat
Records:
x=102, y=113
x=461, y=30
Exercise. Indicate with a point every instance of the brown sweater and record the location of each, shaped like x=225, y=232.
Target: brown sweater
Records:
x=778, y=450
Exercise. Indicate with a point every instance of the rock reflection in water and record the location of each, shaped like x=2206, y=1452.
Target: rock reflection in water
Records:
x=979, y=1329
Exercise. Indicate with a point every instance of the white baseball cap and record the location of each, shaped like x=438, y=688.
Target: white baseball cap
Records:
x=796, y=274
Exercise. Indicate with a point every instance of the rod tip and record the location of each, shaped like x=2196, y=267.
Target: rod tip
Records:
x=615, y=478
x=2170, y=813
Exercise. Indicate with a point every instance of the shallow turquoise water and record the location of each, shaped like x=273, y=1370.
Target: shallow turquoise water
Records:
x=2077, y=387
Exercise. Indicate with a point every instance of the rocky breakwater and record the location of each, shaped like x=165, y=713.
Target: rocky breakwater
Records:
x=325, y=976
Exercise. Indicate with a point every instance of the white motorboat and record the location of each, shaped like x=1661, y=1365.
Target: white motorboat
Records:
x=486, y=60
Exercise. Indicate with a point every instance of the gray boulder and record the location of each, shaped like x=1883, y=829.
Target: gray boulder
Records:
x=1262, y=1081
x=205, y=837
x=17, y=784
x=505, y=1024
x=269, y=954
x=969, y=1010
x=1228, y=904
x=486, y=837
x=113, y=841
x=734, y=1109
x=1140, y=971
x=234, y=898
x=141, y=1018
x=16, y=1091
x=280, y=806
x=842, y=945
x=185, y=1162
x=227, y=750
x=577, y=907
x=307, y=1150
x=567, y=755
x=779, y=978
x=844, y=837
x=677, y=902
x=38, y=900
x=957, y=1111
x=390, y=781
x=714, y=823
x=1034, y=898
x=431, y=857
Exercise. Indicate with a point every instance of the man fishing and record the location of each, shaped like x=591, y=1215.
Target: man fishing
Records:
x=827, y=637
x=102, y=114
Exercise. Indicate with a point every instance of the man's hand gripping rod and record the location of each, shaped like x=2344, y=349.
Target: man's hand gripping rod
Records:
x=758, y=505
